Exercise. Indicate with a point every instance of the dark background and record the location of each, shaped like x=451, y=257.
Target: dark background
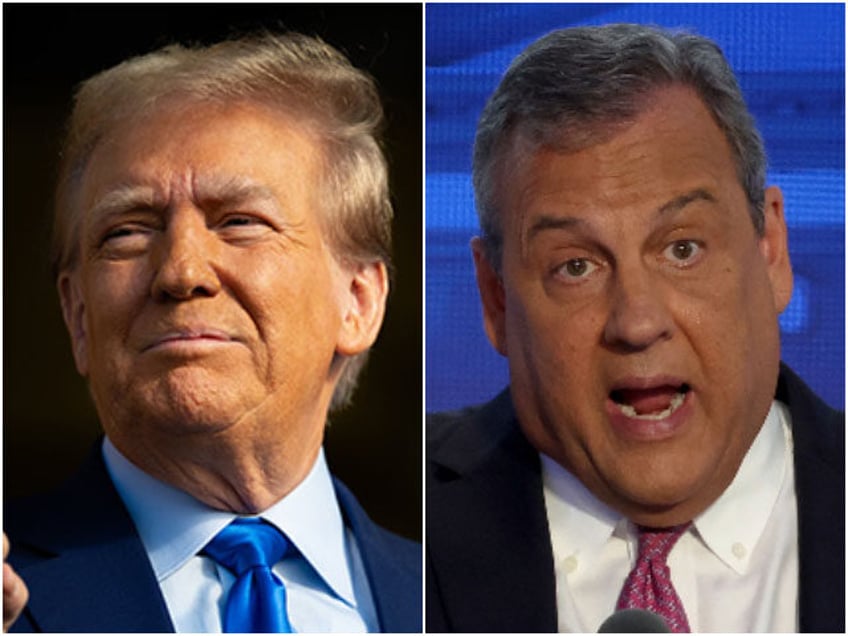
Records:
x=49, y=420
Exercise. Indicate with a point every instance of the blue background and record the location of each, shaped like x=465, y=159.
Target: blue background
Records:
x=789, y=59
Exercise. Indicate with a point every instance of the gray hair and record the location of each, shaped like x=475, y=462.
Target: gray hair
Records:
x=292, y=73
x=566, y=87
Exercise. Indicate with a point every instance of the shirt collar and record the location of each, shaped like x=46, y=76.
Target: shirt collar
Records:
x=730, y=527
x=580, y=523
x=174, y=526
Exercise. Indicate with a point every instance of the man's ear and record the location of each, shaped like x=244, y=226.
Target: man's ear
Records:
x=367, y=287
x=491, y=288
x=774, y=248
x=73, y=311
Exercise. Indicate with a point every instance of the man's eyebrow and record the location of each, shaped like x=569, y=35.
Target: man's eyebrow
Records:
x=220, y=190
x=122, y=198
x=547, y=222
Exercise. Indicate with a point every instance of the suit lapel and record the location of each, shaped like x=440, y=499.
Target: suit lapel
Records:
x=392, y=565
x=486, y=499
x=819, y=440
x=97, y=588
x=82, y=558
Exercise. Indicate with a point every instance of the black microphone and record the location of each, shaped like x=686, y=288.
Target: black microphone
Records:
x=633, y=621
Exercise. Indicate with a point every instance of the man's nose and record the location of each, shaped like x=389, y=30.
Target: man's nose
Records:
x=184, y=262
x=639, y=315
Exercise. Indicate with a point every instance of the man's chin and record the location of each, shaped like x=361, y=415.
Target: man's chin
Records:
x=661, y=500
x=185, y=423
x=184, y=412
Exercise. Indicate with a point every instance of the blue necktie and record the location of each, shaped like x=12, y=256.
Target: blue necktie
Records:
x=257, y=601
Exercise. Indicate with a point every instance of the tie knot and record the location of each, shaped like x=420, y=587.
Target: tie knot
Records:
x=247, y=543
x=656, y=543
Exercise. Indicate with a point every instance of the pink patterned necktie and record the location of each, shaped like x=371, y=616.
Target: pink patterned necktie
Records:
x=648, y=586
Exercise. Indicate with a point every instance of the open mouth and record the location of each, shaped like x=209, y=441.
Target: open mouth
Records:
x=652, y=404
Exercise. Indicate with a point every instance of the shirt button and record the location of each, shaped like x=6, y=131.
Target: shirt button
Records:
x=570, y=564
x=739, y=550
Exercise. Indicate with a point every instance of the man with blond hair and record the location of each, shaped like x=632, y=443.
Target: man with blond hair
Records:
x=222, y=247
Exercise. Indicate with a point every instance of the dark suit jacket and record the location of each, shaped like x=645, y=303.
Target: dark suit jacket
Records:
x=489, y=560
x=87, y=570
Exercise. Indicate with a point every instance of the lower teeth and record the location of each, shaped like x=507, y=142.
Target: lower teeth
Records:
x=675, y=403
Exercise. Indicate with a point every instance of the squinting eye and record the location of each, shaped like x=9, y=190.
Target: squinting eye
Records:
x=238, y=228
x=125, y=241
x=120, y=232
x=237, y=222
x=683, y=251
x=577, y=268
x=240, y=221
x=123, y=232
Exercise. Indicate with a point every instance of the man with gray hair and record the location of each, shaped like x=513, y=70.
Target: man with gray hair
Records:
x=651, y=453
x=222, y=255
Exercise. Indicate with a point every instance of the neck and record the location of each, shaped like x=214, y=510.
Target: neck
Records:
x=243, y=476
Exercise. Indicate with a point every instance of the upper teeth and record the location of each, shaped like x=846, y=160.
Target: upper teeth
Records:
x=675, y=403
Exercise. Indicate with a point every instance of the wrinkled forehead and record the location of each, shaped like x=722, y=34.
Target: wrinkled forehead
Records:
x=94, y=153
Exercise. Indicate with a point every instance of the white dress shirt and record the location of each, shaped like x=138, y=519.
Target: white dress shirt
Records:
x=326, y=586
x=735, y=569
